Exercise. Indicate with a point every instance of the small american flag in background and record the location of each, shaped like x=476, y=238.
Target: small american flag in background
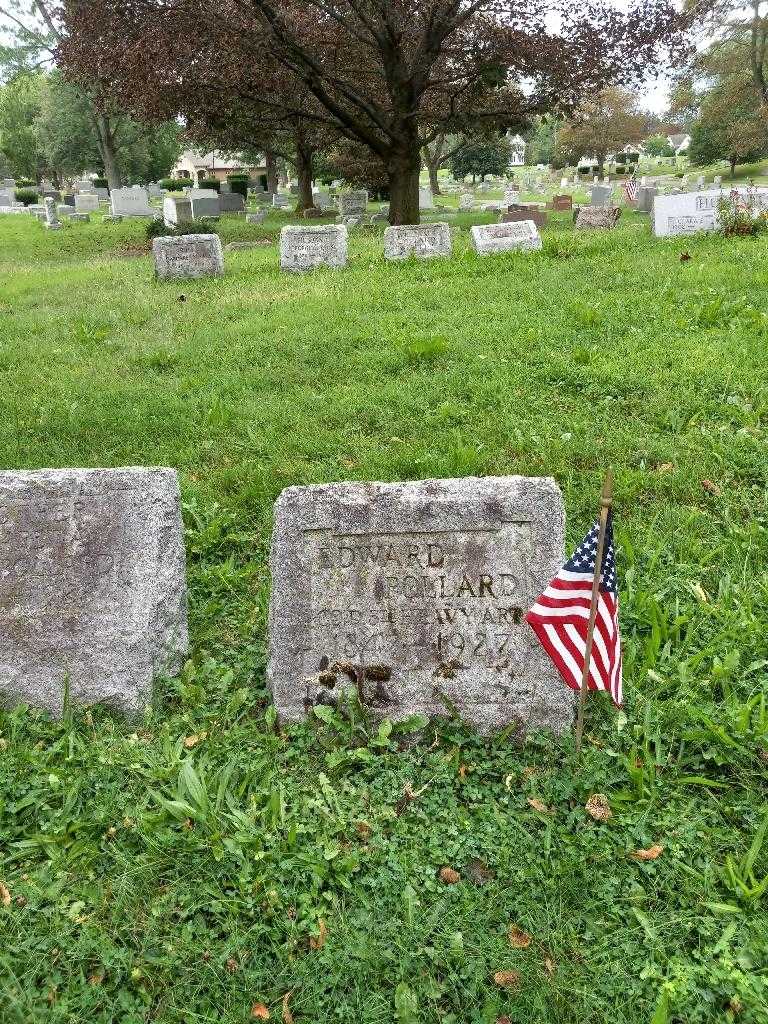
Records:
x=560, y=617
x=629, y=188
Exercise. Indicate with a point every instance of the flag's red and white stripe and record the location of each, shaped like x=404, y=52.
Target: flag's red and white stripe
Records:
x=560, y=619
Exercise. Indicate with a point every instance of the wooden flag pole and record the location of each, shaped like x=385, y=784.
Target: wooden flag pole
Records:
x=606, y=498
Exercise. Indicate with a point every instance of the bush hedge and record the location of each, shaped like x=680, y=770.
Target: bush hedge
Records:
x=239, y=183
x=28, y=196
x=100, y=183
x=176, y=184
x=213, y=183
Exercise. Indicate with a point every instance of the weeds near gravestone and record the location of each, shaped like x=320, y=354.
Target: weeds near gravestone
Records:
x=741, y=214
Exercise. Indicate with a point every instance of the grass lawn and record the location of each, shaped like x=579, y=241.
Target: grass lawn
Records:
x=204, y=865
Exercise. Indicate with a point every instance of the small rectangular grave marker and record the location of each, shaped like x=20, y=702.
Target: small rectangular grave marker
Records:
x=414, y=595
x=183, y=256
x=598, y=217
x=353, y=204
x=92, y=585
x=422, y=240
x=304, y=248
x=176, y=209
x=492, y=238
x=86, y=202
x=131, y=202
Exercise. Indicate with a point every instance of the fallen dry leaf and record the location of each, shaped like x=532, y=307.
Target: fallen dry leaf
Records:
x=449, y=876
x=363, y=829
x=665, y=467
x=539, y=805
x=232, y=965
x=503, y=1020
x=597, y=807
x=318, y=941
x=260, y=1012
x=95, y=979
x=507, y=979
x=518, y=938
x=287, y=1015
x=710, y=487
x=650, y=854
x=194, y=739
x=549, y=966
x=462, y=771
x=5, y=895
x=684, y=257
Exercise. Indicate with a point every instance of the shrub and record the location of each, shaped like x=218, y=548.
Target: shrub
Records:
x=741, y=215
x=25, y=183
x=158, y=229
x=28, y=196
x=100, y=183
x=213, y=183
x=239, y=183
x=176, y=184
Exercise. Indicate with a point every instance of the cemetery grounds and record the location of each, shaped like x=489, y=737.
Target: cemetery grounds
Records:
x=205, y=864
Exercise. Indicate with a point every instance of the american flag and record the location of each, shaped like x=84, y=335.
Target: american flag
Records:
x=560, y=617
x=629, y=187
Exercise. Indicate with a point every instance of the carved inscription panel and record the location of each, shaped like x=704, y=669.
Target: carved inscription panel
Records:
x=417, y=609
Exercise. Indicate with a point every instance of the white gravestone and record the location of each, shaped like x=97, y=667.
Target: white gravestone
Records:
x=426, y=199
x=491, y=238
x=304, y=248
x=131, y=202
x=51, y=216
x=422, y=240
x=7, y=197
x=175, y=210
x=281, y=202
x=204, y=202
x=92, y=585
x=414, y=596
x=187, y=256
x=466, y=201
x=86, y=202
x=689, y=212
x=353, y=204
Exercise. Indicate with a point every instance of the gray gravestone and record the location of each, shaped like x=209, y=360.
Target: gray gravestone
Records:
x=86, y=202
x=353, y=204
x=231, y=202
x=51, y=216
x=598, y=217
x=131, y=202
x=205, y=202
x=92, y=585
x=491, y=238
x=414, y=595
x=304, y=248
x=256, y=218
x=600, y=196
x=80, y=218
x=281, y=202
x=426, y=199
x=183, y=256
x=176, y=209
x=422, y=240
x=645, y=197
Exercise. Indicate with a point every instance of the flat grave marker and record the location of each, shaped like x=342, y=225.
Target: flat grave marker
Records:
x=423, y=240
x=494, y=238
x=187, y=256
x=305, y=248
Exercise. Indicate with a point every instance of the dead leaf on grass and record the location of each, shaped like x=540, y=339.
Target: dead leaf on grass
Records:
x=5, y=895
x=597, y=807
x=652, y=853
x=710, y=487
x=549, y=966
x=507, y=979
x=287, y=1015
x=518, y=939
x=363, y=829
x=539, y=805
x=449, y=875
x=194, y=739
x=260, y=1012
x=318, y=941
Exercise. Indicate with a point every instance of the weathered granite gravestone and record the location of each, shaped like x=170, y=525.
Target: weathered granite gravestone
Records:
x=353, y=204
x=86, y=202
x=281, y=202
x=183, y=256
x=52, y=221
x=80, y=218
x=422, y=240
x=304, y=248
x=605, y=217
x=176, y=209
x=561, y=204
x=518, y=213
x=92, y=585
x=600, y=196
x=414, y=595
x=205, y=202
x=131, y=202
x=645, y=197
x=256, y=218
x=491, y=238
x=466, y=201
x=7, y=197
x=426, y=199
x=231, y=202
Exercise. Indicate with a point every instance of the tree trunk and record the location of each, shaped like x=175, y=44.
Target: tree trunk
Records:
x=270, y=161
x=403, y=171
x=434, y=182
x=107, y=151
x=732, y=162
x=304, y=174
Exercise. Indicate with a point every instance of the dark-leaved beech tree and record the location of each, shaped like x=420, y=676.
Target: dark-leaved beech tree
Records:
x=388, y=74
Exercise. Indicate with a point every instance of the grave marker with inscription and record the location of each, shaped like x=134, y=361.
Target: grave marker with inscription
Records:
x=304, y=248
x=187, y=256
x=131, y=202
x=92, y=585
x=598, y=217
x=353, y=204
x=689, y=212
x=422, y=240
x=491, y=238
x=415, y=595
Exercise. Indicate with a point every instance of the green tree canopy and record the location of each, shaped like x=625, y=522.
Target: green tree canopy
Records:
x=489, y=155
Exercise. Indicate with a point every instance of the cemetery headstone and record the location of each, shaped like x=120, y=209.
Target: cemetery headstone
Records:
x=597, y=217
x=353, y=204
x=493, y=238
x=688, y=212
x=256, y=218
x=422, y=240
x=7, y=197
x=231, y=202
x=466, y=201
x=187, y=256
x=80, y=218
x=413, y=596
x=519, y=213
x=176, y=209
x=131, y=202
x=52, y=193
x=225, y=188
x=51, y=216
x=305, y=248
x=92, y=585
x=600, y=196
x=426, y=199
x=86, y=202
x=312, y=213
x=645, y=197
x=323, y=200
x=204, y=202
x=281, y=202
x=561, y=204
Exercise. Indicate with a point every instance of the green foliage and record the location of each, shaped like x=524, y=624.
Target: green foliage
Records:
x=27, y=196
x=658, y=145
x=19, y=106
x=541, y=141
x=742, y=216
x=175, y=184
x=156, y=228
x=490, y=155
x=212, y=183
x=239, y=183
x=100, y=183
x=178, y=868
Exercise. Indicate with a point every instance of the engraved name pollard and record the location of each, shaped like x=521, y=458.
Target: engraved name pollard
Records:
x=415, y=600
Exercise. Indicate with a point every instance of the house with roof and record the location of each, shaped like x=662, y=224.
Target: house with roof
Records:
x=195, y=165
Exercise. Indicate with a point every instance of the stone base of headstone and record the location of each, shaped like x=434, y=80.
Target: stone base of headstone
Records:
x=112, y=218
x=255, y=218
x=80, y=218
